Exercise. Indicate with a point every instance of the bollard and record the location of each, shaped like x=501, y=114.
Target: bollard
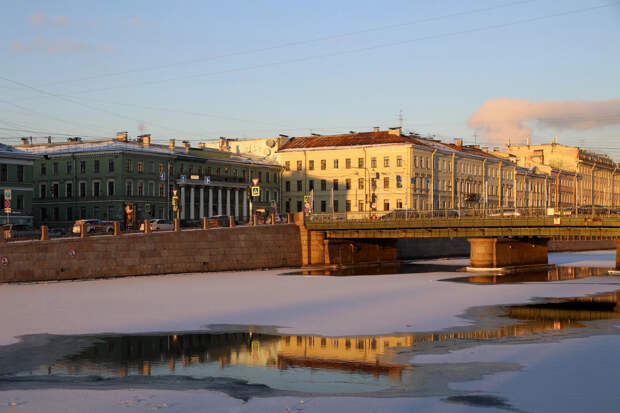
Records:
x=273, y=218
x=82, y=229
x=177, y=225
x=231, y=221
x=289, y=219
x=205, y=223
x=147, y=226
x=45, y=234
x=117, y=228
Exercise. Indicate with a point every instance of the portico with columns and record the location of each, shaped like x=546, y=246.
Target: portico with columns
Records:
x=199, y=198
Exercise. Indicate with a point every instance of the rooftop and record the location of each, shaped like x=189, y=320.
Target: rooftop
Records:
x=350, y=139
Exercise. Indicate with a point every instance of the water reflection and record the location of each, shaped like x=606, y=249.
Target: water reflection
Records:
x=309, y=363
x=553, y=274
x=388, y=268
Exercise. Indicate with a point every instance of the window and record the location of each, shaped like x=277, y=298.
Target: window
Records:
x=96, y=166
x=82, y=189
x=82, y=212
x=347, y=205
x=287, y=206
x=151, y=189
x=4, y=172
x=43, y=169
x=399, y=181
x=335, y=205
x=311, y=165
x=323, y=206
x=69, y=190
x=54, y=189
x=43, y=214
x=360, y=183
x=83, y=167
x=299, y=166
x=128, y=188
x=347, y=183
x=130, y=166
x=311, y=184
x=141, y=167
x=299, y=208
x=69, y=214
x=373, y=162
x=111, y=188
x=140, y=188
x=386, y=205
x=323, y=164
x=323, y=185
x=399, y=161
x=287, y=186
x=347, y=163
x=386, y=182
x=161, y=190
x=360, y=162
x=299, y=187
x=20, y=173
x=56, y=214
x=55, y=168
x=69, y=167
x=20, y=202
x=111, y=165
x=335, y=163
x=360, y=205
x=386, y=161
x=335, y=184
x=287, y=165
x=399, y=203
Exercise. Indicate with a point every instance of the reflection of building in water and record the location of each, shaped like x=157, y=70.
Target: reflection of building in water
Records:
x=157, y=355
x=553, y=274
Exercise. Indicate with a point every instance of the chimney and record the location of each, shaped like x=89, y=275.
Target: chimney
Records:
x=458, y=143
x=555, y=140
x=24, y=141
x=375, y=129
x=223, y=144
x=395, y=131
x=145, y=139
x=186, y=145
x=121, y=136
x=171, y=144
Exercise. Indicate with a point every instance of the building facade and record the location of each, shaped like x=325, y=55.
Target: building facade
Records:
x=16, y=176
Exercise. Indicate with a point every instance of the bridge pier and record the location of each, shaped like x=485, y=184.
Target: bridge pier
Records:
x=316, y=249
x=499, y=253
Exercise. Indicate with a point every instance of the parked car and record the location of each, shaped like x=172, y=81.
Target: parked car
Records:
x=159, y=225
x=93, y=225
x=217, y=221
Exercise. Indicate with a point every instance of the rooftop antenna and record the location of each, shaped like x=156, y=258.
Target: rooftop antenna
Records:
x=400, y=118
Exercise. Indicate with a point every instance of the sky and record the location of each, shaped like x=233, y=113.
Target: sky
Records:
x=488, y=72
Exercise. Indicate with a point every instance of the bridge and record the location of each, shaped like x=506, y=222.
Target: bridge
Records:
x=496, y=241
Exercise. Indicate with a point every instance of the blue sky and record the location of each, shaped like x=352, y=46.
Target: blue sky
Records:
x=198, y=70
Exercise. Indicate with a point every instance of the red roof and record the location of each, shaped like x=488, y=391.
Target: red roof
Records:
x=348, y=139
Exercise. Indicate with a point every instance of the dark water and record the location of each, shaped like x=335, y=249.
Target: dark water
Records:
x=391, y=268
x=546, y=275
x=251, y=361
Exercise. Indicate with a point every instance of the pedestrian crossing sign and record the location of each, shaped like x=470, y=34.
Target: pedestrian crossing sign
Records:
x=256, y=191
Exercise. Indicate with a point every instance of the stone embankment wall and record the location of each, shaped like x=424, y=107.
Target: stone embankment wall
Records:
x=218, y=249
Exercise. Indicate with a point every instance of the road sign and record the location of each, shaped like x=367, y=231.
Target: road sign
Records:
x=273, y=203
x=7, y=210
x=207, y=180
x=7, y=194
x=255, y=191
x=7, y=203
x=4, y=261
x=162, y=176
x=255, y=181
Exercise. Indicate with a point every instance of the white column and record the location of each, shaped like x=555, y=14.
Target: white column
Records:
x=237, y=203
x=210, y=211
x=192, y=203
x=219, y=201
x=202, y=202
x=183, y=202
x=245, y=204
x=228, y=201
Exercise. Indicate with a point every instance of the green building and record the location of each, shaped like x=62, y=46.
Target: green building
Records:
x=16, y=176
x=132, y=180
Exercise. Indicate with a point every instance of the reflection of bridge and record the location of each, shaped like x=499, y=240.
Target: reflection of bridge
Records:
x=496, y=241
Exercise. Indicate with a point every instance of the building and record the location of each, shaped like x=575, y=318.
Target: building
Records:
x=582, y=178
x=132, y=180
x=16, y=176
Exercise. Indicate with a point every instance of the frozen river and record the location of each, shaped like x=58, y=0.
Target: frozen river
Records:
x=429, y=339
